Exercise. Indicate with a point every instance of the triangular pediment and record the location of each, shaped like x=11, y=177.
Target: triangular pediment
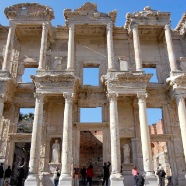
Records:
x=88, y=7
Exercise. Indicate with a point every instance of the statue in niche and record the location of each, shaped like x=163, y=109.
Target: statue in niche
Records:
x=126, y=153
x=55, y=152
x=57, y=63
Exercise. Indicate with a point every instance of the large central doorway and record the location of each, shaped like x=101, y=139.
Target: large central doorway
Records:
x=91, y=150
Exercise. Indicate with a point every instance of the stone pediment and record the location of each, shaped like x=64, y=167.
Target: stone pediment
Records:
x=88, y=14
x=29, y=11
x=147, y=17
x=181, y=27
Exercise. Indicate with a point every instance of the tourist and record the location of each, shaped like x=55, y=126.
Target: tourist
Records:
x=106, y=173
x=76, y=176
x=83, y=175
x=56, y=176
x=6, y=183
x=8, y=173
x=135, y=173
x=140, y=181
x=161, y=175
x=90, y=174
x=21, y=172
x=1, y=174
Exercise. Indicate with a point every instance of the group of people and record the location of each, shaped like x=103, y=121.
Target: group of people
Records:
x=140, y=181
x=5, y=175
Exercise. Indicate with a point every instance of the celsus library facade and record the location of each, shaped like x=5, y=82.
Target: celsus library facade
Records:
x=58, y=93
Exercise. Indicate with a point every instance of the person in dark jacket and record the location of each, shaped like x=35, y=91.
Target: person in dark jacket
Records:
x=83, y=175
x=21, y=173
x=8, y=173
x=106, y=173
x=140, y=180
x=161, y=175
x=1, y=174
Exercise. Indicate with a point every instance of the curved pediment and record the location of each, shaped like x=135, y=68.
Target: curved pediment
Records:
x=88, y=14
x=29, y=11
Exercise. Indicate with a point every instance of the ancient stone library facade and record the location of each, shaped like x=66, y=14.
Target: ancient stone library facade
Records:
x=90, y=40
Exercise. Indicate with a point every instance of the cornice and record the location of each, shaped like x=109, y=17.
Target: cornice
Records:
x=181, y=26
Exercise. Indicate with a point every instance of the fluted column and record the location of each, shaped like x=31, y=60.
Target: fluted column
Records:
x=9, y=45
x=33, y=178
x=137, y=48
x=43, y=48
x=70, y=61
x=66, y=157
x=170, y=49
x=114, y=134
x=110, y=47
x=145, y=136
x=1, y=114
x=180, y=100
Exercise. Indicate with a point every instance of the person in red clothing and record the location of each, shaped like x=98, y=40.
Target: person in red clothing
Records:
x=90, y=174
x=135, y=174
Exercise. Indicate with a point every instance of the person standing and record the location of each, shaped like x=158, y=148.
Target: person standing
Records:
x=21, y=172
x=106, y=173
x=161, y=175
x=135, y=173
x=90, y=174
x=76, y=176
x=1, y=174
x=8, y=173
x=56, y=176
x=83, y=175
x=140, y=180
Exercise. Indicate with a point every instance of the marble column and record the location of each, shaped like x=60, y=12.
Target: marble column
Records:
x=110, y=50
x=9, y=45
x=170, y=49
x=66, y=157
x=33, y=178
x=116, y=178
x=43, y=48
x=145, y=137
x=70, y=58
x=1, y=114
x=137, y=48
x=180, y=100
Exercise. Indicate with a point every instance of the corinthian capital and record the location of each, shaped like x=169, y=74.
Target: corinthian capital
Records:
x=39, y=97
x=71, y=26
x=180, y=97
x=109, y=26
x=112, y=97
x=45, y=26
x=133, y=25
x=68, y=96
x=142, y=96
x=167, y=27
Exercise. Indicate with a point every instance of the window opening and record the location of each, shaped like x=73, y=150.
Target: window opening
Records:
x=91, y=76
x=154, y=115
x=26, y=76
x=154, y=78
x=25, y=122
x=91, y=114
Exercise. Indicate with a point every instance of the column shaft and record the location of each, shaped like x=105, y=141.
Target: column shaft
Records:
x=36, y=135
x=42, y=57
x=170, y=49
x=66, y=157
x=9, y=45
x=137, y=48
x=110, y=47
x=145, y=137
x=114, y=135
x=182, y=119
x=70, y=62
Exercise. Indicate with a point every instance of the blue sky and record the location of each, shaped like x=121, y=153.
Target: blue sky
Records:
x=176, y=7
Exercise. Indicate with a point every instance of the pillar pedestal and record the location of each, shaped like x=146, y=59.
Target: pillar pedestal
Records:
x=151, y=180
x=32, y=180
x=65, y=180
x=116, y=180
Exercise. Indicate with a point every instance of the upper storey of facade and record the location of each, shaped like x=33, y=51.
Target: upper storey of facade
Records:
x=90, y=39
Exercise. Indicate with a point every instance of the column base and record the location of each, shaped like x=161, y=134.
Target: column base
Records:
x=116, y=180
x=32, y=180
x=65, y=180
x=5, y=74
x=151, y=180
